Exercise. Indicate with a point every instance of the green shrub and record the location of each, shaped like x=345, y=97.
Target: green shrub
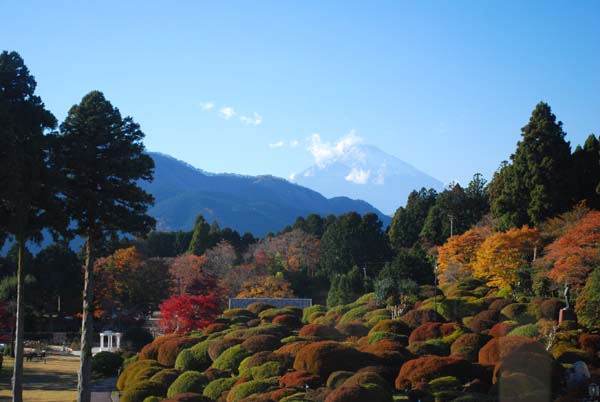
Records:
x=427, y=368
x=153, y=399
x=141, y=390
x=308, y=311
x=246, y=389
x=106, y=364
x=190, y=381
x=354, y=314
x=194, y=358
x=395, y=326
x=257, y=307
x=527, y=330
x=323, y=358
x=165, y=377
x=138, y=371
x=266, y=370
x=215, y=388
x=231, y=358
x=337, y=378
x=218, y=346
x=168, y=350
x=518, y=312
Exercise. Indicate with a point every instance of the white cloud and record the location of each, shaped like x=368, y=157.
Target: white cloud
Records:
x=255, y=120
x=227, y=112
x=326, y=152
x=292, y=177
x=358, y=176
x=207, y=106
x=294, y=143
x=277, y=144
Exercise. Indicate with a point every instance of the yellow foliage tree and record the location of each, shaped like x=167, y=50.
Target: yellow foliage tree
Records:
x=457, y=256
x=504, y=255
x=266, y=286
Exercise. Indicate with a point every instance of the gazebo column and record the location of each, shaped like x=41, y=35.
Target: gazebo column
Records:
x=101, y=342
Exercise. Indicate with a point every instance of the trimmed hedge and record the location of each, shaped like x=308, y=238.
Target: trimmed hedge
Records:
x=498, y=348
x=165, y=377
x=323, y=332
x=325, y=357
x=231, y=358
x=298, y=379
x=246, y=389
x=414, y=318
x=141, y=390
x=467, y=346
x=261, y=343
x=216, y=388
x=190, y=381
x=136, y=372
x=106, y=364
x=169, y=349
x=427, y=368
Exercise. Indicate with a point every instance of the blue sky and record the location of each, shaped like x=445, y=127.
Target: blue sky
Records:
x=445, y=86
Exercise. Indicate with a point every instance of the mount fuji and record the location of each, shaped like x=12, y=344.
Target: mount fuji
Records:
x=365, y=172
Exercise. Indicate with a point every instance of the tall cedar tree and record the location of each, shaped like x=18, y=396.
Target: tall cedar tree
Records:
x=200, y=236
x=101, y=156
x=535, y=185
x=28, y=200
x=586, y=164
x=408, y=221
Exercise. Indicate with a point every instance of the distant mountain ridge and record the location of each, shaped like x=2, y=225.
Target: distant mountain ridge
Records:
x=256, y=204
x=366, y=172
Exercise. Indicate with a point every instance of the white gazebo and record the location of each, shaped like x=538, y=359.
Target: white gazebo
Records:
x=111, y=337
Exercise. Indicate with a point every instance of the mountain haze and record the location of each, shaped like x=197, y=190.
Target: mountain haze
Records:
x=366, y=172
x=256, y=204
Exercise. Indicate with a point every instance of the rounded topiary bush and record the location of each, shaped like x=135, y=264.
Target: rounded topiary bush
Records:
x=194, y=358
x=434, y=347
x=106, y=364
x=389, y=353
x=291, y=349
x=261, y=343
x=165, y=377
x=218, y=346
x=467, y=346
x=499, y=304
x=414, y=318
x=539, y=365
x=424, y=332
x=154, y=399
x=498, y=348
x=502, y=329
x=138, y=371
x=323, y=332
x=354, y=314
x=518, y=312
x=325, y=357
x=141, y=390
x=261, y=358
x=289, y=320
x=521, y=387
x=190, y=381
x=355, y=329
x=550, y=309
x=309, y=311
x=483, y=321
x=266, y=370
x=216, y=388
x=394, y=326
x=427, y=368
x=527, y=331
x=231, y=358
x=299, y=379
x=590, y=342
x=246, y=389
x=214, y=328
x=258, y=307
x=169, y=349
x=150, y=351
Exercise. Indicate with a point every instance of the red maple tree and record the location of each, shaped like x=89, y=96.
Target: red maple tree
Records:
x=182, y=314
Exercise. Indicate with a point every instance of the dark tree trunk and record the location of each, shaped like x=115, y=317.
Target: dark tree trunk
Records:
x=17, y=379
x=84, y=386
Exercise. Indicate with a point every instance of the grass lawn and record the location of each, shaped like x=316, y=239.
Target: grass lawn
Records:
x=55, y=381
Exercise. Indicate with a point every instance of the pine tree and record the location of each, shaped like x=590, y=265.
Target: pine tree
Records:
x=200, y=236
x=586, y=165
x=535, y=185
x=101, y=156
x=28, y=201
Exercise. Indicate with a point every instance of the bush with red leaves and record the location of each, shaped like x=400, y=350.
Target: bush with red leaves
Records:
x=325, y=357
x=181, y=314
x=169, y=349
x=289, y=320
x=324, y=332
x=498, y=348
x=414, y=318
x=299, y=379
x=427, y=368
x=389, y=353
x=261, y=343
x=424, y=332
x=501, y=329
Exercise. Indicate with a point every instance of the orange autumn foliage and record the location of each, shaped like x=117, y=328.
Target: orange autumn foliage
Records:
x=457, y=256
x=266, y=286
x=502, y=255
x=574, y=254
